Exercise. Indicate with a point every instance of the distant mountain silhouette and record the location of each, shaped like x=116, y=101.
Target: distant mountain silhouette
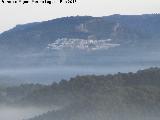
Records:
x=131, y=35
x=128, y=30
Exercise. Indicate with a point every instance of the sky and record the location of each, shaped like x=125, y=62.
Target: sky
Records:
x=13, y=14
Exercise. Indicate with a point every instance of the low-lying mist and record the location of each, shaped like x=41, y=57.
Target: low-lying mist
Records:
x=47, y=75
x=20, y=113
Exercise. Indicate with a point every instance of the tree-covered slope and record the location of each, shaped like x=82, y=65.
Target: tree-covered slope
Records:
x=122, y=96
x=131, y=96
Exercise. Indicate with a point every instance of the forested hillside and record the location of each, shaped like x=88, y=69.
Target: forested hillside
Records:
x=122, y=95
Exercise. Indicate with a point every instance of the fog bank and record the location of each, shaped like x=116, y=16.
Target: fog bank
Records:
x=19, y=113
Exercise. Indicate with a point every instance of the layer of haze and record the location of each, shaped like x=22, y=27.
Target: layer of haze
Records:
x=13, y=14
x=19, y=113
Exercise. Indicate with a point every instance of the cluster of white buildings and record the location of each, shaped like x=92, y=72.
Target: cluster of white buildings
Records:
x=82, y=44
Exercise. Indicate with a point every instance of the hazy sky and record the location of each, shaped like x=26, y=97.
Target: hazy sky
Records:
x=12, y=14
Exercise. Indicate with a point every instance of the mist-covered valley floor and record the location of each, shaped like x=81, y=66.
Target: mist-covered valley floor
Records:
x=55, y=73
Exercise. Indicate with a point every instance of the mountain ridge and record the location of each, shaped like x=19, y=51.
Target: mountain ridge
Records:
x=120, y=28
x=131, y=35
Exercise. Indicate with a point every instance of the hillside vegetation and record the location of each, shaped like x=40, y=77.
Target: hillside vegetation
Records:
x=123, y=96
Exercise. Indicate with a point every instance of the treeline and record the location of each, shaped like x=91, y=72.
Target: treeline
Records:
x=129, y=96
x=90, y=97
x=83, y=86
